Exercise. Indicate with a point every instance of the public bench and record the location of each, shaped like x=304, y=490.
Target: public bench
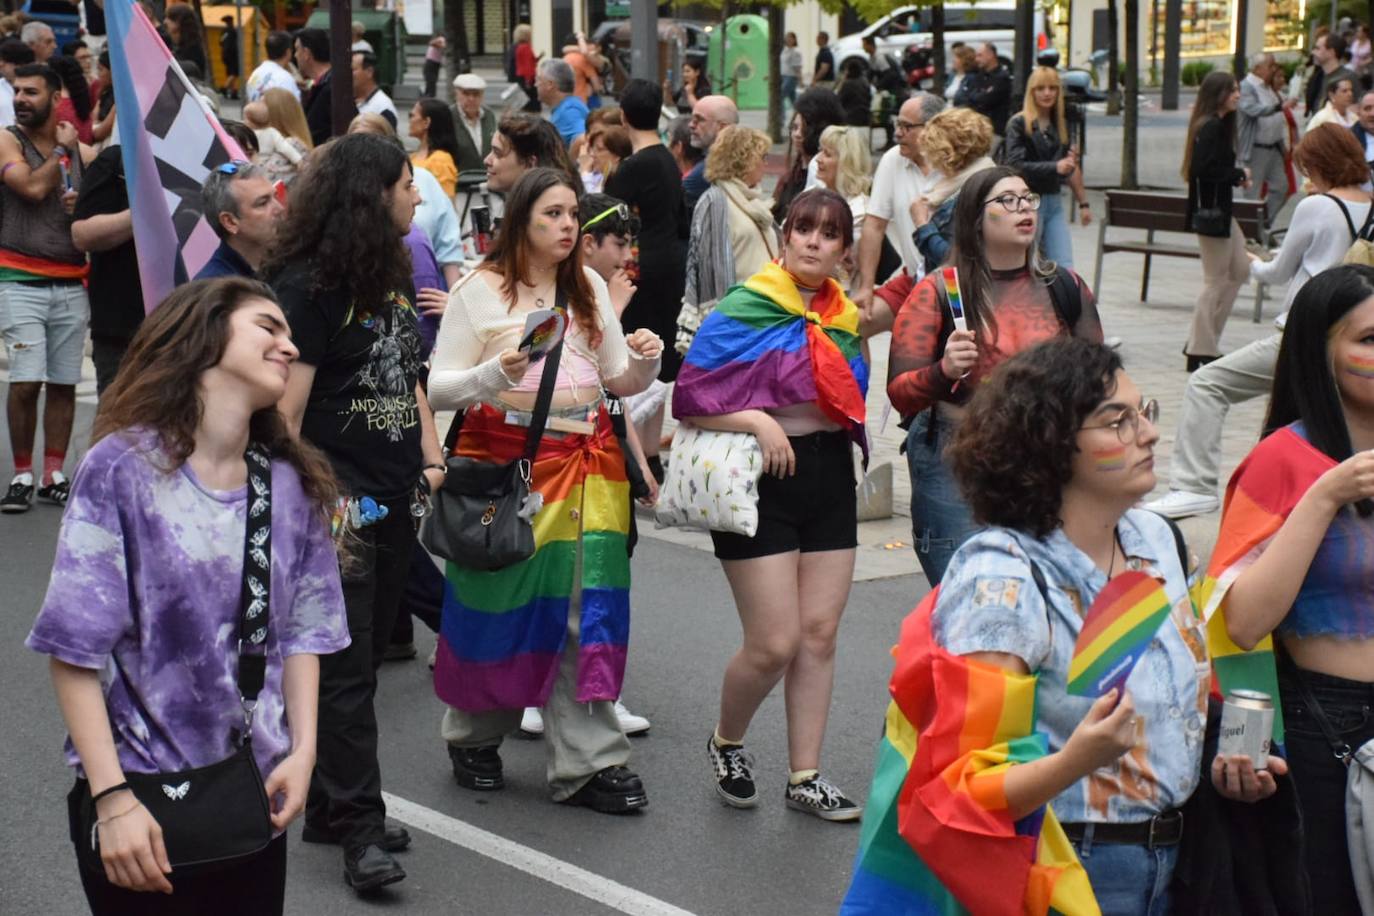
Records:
x=1164, y=211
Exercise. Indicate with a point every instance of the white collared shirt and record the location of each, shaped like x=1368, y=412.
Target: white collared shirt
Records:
x=897, y=182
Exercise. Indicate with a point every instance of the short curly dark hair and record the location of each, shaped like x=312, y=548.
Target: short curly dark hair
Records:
x=1013, y=451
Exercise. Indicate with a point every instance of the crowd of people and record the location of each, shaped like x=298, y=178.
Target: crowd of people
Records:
x=365, y=282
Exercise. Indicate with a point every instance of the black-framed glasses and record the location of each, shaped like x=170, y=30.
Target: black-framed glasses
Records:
x=902, y=126
x=1014, y=202
x=622, y=213
x=1127, y=423
x=232, y=166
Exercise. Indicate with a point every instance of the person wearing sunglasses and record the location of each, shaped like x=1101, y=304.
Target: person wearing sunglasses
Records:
x=1107, y=773
x=1011, y=301
x=240, y=203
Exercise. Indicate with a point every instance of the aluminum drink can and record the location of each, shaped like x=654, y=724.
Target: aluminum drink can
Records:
x=1247, y=726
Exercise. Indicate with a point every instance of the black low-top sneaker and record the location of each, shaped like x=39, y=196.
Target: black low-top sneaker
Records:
x=734, y=774
x=614, y=790
x=56, y=492
x=821, y=797
x=18, y=498
x=477, y=768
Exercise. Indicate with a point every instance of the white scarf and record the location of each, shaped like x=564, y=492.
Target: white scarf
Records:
x=949, y=185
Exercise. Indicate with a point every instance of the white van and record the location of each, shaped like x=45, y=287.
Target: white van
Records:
x=972, y=24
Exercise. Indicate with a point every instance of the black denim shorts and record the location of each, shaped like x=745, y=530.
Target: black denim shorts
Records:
x=811, y=511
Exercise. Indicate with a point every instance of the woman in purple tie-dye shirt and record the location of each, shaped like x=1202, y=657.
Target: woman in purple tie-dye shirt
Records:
x=143, y=605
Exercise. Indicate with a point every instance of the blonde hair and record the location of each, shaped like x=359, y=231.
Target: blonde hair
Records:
x=523, y=32
x=285, y=113
x=735, y=152
x=369, y=122
x=954, y=138
x=854, y=162
x=1030, y=111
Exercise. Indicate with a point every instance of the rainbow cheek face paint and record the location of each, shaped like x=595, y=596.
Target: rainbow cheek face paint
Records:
x=1110, y=459
x=1361, y=366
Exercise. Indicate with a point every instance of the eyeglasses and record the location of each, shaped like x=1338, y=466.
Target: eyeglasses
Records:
x=232, y=167
x=1013, y=202
x=1127, y=423
x=902, y=127
x=622, y=212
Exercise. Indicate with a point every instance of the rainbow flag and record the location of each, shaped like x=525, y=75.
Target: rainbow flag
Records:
x=762, y=347
x=1262, y=492
x=170, y=141
x=956, y=301
x=1116, y=632
x=937, y=837
x=502, y=633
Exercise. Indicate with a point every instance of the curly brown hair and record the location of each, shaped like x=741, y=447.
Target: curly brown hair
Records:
x=736, y=152
x=956, y=137
x=158, y=385
x=1012, y=454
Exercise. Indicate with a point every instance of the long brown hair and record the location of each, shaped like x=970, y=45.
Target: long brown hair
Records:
x=1216, y=87
x=158, y=385
x=509, y=256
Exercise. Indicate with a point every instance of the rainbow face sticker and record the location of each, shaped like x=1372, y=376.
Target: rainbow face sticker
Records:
x=956, y=302
x=1361, y=366
x=1110, y=459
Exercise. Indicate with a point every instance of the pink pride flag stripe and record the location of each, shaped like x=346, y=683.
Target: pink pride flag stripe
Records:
x=170, y=143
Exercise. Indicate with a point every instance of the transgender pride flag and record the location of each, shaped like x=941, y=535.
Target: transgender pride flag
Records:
x=170, y=142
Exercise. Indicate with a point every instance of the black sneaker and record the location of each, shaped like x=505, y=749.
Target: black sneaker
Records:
x=821, y=797
x=18, y=498
x=396, y=651
x=734, y=774
x=477, y=768
x=614, y=790
x=56, y=492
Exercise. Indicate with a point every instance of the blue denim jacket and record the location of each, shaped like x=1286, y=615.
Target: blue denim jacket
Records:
x=989, y=603
x=933, y=238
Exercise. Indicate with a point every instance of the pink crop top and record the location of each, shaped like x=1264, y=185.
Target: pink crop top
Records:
x=575, y=373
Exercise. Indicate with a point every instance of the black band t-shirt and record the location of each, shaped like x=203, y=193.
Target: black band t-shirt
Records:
x=362, y=411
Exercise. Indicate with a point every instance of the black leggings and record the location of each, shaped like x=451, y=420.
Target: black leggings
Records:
x=256, y=885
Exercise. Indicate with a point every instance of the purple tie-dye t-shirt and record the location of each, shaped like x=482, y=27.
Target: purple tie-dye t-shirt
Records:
x=149, y=567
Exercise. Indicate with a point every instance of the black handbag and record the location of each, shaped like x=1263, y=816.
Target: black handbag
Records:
x=477, y=516
x=1211, y=221
x=214, y=816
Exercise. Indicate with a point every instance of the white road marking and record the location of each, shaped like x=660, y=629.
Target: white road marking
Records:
x=530, y=861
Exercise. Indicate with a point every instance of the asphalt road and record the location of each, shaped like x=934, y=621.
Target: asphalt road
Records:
x=686, y=850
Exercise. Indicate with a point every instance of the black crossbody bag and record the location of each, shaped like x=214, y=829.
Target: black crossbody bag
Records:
x=214, y=816
x=478, y=517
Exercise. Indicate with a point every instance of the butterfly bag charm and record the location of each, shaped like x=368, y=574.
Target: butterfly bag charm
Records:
x=213, y=816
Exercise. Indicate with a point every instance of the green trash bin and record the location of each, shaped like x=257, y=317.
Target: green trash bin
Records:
x=744, y=74
x=386, y=32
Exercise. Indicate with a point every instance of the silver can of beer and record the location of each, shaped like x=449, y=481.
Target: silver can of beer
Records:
x=1247, y=726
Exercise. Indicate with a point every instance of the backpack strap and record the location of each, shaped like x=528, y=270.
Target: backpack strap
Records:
x=1367, y=230
x=1349, y=223
x=1179, y=543
x=1066, y=297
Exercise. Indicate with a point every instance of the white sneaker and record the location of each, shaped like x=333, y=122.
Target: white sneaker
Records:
x=630, y=723
x=1181, y=504
x=532, y=722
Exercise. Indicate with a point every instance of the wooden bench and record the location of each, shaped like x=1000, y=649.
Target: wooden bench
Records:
x=1164, y=211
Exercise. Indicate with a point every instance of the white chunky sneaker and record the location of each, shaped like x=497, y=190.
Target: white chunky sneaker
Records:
x=1182, y=504
x=532, y=722
x=630, y=723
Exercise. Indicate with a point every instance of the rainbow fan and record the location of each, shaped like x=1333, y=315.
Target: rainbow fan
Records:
x=1116, y=631
x=956, y=302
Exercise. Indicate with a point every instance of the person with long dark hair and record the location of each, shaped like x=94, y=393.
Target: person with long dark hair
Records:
x=431, y=123
x=1011, y=300
x=1292, y=562
x=188, y=36
x=145, y=594
x=816, y=109
x=794, y=335
x=344, y=277
x=1011, y=764
x=695, y=85
x=1210, y=168
x=76, y=104
x=564, y=612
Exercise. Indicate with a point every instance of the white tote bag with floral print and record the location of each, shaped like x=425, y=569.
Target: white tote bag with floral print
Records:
x=712, y=482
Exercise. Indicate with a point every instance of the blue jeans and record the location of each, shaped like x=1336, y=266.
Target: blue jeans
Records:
x=789, y=90
x=1128, y=880
x=1055, y=243
x=940, y=519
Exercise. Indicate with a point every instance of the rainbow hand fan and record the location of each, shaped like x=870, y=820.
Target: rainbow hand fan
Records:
x=1116, y=632
x=956, y=301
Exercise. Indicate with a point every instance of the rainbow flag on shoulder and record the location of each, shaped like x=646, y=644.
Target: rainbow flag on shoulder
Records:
x=937, y=835
x=1261, y=495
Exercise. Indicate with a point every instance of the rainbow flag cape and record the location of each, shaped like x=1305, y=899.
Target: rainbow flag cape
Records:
x=1116, y=632
x=761, y=347
x=502, y=633
x=937, y=837
x=1262, y=492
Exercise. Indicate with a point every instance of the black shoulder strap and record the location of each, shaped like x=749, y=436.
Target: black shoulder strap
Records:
x=1349, y=223
x=547, y=381
x=1066, y=297
x=1367, y=230
x=255, y=593
x=1179, y=543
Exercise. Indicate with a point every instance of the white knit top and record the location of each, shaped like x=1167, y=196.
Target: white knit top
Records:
x=478, y=325
x=1317, y=238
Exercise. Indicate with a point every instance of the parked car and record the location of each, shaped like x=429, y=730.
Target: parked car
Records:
x=909, y=27
x=677, y=38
